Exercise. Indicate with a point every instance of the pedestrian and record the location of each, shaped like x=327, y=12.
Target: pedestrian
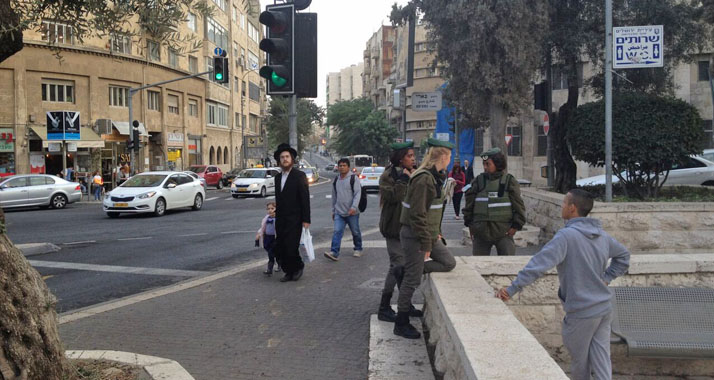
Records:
x=98, y=183
x=420, y=234
x=392, y=190
x=460, y=179
x=494, y=208
x=292, y=212
x=469, y=170
x=68, y=174
x=346, y=191
x=267, y=233
x=580, y=251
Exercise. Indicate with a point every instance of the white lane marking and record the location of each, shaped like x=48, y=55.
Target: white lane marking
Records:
x=238, y=232
x=312, y=196
x=228, y=199
x=328, y=196
x=79, y=242
x=199, y=234
x=137, y=238
x=270, y=197
x=372, y=195
x=211, y=198
x=117, y=269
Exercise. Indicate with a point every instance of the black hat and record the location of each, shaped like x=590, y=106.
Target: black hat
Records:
x=282, y=148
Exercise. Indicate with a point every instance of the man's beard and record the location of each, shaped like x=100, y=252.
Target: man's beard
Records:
x=285, y=166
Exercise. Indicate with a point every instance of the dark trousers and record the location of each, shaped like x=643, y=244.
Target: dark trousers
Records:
x=457, y=202
x=287, y=247
x=269, y=244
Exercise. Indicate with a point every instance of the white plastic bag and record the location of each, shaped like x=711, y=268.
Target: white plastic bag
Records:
x=306, y=249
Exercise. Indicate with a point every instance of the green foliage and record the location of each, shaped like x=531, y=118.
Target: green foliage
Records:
x=308, y=114
x=650, y=134
x=360, y=129
x=666, y=194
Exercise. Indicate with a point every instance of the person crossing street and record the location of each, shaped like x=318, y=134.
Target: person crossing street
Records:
x=346, y=192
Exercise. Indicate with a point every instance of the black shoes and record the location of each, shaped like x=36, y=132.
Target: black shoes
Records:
x=268, y=272
x=297, y=275
x=292, y=276
x=386, y=313
x=414, y=312
x=403, y=328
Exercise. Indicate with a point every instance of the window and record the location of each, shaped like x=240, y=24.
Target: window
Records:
x=236, y=84
x=211, y=114
x=154, y=51
x=121, y=44
x=237, y=120
x=514, y=149
x=560, y=77
x=235, y=14
x=254, y=124
x=242, y=121
x=708, y=134
x=221, y=4
x=56, y=33
x=252, y=60
x=58, y=92
x=191, y=21
x=193, y=64
x=242, y=56
x=225, y=156
x=242, y=21
x=222, y=115
x=542, y=143
x=217, y=33
x=153, y=100
x=118, y=96
x=242, y=89
x=193, y=108
x=219, y=156
x=425, y=72
x=236, y=53
x=172, y=103
x=703, y=71
x=420, y=46
x=173, y=58
x=254, y=92
x=17, y=182
x=253, y=32
x=216, y=114
x=211, y=157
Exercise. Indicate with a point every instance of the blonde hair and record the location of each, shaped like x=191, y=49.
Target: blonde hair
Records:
x=433, y=155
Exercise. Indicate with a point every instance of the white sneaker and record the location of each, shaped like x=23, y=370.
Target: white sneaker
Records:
x=357, y=254
x=331, y=256
x=457, y=217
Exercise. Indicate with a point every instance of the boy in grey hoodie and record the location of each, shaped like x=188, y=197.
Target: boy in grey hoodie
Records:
x=581, y=252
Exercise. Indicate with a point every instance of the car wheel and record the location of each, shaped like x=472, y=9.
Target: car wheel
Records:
x=235, y=196
x=197, y=202
x=219, y=185
x=263, y=192
x=160, y=207
x=113, y=214
x=58, y=201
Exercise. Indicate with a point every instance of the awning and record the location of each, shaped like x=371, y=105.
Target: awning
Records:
x=123, y=128
x=89, y=138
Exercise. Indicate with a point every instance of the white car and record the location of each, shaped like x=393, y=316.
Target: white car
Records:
x=369, y=178
x=708, y=155
x=694, y=171
x=155, y=192
x=258, y=181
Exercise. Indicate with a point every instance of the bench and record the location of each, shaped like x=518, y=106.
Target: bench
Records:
x=665, y=322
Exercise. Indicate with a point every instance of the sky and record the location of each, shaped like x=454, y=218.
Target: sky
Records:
x=343, y=28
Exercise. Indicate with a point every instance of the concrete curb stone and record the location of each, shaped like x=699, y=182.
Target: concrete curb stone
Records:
x=157, y=368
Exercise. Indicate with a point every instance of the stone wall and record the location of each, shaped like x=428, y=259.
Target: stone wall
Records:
x=643, y=227
x=538, y=308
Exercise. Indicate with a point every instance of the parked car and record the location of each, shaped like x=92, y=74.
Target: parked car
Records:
x=155, y=192
x=330, y=167
x=312, y=175
x=260, y=181
x=369, y=178
x=694, y=171
x=38, y=190
x=229, y=176
x=195, y=176
x=211, y=173
x=708, y=155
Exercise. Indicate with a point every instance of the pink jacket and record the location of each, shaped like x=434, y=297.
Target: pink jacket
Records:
x=460, y=179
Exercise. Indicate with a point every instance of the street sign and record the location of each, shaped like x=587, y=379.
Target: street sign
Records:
x=426, y=101
x=546, y=124
x=442, y=136
x=637, y=46
x=63, y=125
x=217, y=52
x=71, y=147
x=509, y=138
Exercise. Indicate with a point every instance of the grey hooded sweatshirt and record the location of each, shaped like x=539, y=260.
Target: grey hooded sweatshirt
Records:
x=580, y=251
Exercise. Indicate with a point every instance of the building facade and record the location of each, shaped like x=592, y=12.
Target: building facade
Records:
x=378, y=59
x=192, y=121
x=345, y=85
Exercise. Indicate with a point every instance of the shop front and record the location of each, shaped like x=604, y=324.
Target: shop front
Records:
x=7, y=152
x=194, y=150
x=174, y=156
x=46, y=156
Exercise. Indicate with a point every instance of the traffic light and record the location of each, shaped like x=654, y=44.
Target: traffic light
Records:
x=135, y=142
x=306, y=55
x=279, y=20
x=220, y=69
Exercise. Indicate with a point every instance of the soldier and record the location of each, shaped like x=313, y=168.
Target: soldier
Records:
x=494, y=208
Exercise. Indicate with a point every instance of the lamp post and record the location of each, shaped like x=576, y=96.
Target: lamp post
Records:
x=242, y=124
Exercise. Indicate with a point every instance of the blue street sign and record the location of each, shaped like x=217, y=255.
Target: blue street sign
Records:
x=217, y=51
x=637, y=46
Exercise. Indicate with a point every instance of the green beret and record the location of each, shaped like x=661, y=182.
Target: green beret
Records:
x=443, y=144
x=490, y=152
x=402, y=145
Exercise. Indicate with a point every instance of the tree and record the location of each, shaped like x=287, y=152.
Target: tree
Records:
x=650, y=134
x=361, y=129
x=308, y=113
x=489, y=51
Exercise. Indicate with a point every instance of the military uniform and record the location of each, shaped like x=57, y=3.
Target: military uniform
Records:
x=493, y=206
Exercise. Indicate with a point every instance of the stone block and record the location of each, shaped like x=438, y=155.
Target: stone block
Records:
x=542, y=319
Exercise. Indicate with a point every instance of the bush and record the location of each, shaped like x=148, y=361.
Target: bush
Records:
x=649, y=134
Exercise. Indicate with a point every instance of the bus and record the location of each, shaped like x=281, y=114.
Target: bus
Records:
x=359, y=161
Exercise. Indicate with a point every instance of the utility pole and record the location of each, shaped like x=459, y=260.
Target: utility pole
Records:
x=550, y=159
x=456, y=134
x=292, y=122
x=608, y=100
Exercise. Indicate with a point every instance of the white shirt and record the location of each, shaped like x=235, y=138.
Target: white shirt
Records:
x=284, y=178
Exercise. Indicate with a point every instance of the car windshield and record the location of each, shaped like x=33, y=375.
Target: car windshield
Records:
x=708, y=156
x=144, y=180
x=252, y=174
x=197, y=169
x=308, y=172
x=363, y=161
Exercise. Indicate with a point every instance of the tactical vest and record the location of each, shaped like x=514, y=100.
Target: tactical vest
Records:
x=436, y=207
x=492, y=203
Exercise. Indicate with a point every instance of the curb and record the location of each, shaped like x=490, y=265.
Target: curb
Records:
x=157, y=368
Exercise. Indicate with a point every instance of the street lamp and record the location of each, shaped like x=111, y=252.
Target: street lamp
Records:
x=242, y=124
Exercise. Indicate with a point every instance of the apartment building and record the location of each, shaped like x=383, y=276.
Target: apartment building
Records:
x=192, y=121
x=345, y=84
x=378, y=59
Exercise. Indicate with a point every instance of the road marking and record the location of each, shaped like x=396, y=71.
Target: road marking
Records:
x=199, y=234
x=328, y=196
x=228, y=199
x=117, y=269
x=270, y=197
x=211, y=198
x=137, y=238
x=79, y=242
x=312, y=196
x=47, y=277
x=372, y=195
x=237, y=232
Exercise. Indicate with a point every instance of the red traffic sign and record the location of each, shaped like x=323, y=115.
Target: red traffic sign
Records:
x=546, y=124
x=509, y=138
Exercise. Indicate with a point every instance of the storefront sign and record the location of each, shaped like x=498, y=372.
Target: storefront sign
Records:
x=174, y=155
x=54, y=147
x=71, y=147
x=174, y=139
x=192, y=148
x=7, y=140
x=63, y=125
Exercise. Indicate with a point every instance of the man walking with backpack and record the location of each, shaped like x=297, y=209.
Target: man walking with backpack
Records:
x=346, y=193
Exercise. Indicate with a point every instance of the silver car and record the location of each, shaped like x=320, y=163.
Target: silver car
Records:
x=38, y=190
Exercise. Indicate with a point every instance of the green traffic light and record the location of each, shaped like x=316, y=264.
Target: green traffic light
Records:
x=278, y=80
x=219, y=76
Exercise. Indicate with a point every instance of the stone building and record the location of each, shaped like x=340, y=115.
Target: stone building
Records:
x=345, y=85
x=378, y=58
x=192, y=121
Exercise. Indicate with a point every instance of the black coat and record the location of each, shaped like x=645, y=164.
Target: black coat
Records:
x=293, y=209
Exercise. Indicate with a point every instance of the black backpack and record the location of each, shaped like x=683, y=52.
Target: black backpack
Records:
x=362, y=195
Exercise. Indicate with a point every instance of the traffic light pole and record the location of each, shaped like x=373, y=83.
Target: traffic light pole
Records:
x=132, y=91
x=292, y=122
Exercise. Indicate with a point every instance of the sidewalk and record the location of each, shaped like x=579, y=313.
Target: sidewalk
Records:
x=248, y=326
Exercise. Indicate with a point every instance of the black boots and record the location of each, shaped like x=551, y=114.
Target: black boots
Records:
x=385, y=309
x=402, y=327
x=414, y=312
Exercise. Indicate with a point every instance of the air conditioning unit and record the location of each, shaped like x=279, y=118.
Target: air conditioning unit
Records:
x=103, y=126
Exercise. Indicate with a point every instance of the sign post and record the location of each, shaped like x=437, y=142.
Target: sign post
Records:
x=509, y=138
x=637, y=46
x=62, y=126
x=426, y=101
